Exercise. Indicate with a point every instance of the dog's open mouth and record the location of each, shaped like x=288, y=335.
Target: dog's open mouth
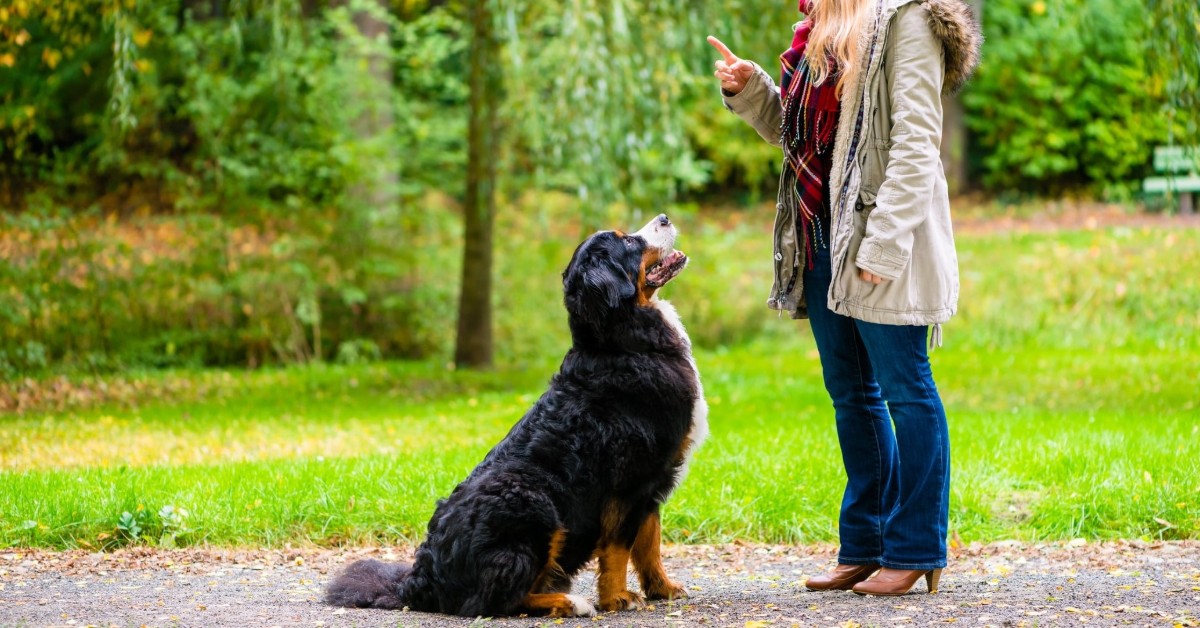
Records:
x=666, y=269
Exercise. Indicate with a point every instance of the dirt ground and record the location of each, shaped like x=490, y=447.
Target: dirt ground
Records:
x=746, y=586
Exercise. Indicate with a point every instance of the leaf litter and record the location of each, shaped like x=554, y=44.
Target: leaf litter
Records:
x=742, y=585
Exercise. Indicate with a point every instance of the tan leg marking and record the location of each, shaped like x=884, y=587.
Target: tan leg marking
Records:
x=614, y=567
x=552, y=573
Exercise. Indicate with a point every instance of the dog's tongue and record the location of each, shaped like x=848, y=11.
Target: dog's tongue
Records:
x=667, y=268
x=673, y=258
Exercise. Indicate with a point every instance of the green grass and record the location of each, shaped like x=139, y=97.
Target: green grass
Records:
x=1069, y=379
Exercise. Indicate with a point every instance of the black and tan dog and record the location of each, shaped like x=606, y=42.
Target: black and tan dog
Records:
x=583, y=473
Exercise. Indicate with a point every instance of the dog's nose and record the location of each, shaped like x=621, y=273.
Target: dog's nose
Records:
x=663, y=220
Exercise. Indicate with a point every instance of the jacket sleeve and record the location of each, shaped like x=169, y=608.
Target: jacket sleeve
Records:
x=758, y=104
x=914, y=67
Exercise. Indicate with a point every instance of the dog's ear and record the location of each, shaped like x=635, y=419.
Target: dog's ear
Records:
x=608, y=283
x=594, y=281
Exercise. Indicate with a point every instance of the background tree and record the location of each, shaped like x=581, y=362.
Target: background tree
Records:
x=473, y=346
x=375, y=121
x=606, y=91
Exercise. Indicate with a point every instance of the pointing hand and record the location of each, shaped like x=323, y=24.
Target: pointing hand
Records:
x=733, y=72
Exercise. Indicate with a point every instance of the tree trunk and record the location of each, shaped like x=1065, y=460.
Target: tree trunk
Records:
x=954, y=144
x=474, y=342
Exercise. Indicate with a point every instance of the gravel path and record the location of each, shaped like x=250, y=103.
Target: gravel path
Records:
x=747, y=586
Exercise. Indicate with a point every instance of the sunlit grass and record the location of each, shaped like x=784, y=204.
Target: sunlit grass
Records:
x=1069, y=379
x=320, y=411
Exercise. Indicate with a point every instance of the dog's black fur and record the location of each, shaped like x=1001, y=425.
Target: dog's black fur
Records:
x=582, y=474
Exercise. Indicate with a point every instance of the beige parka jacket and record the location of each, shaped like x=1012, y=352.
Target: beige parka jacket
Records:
x=889, y=202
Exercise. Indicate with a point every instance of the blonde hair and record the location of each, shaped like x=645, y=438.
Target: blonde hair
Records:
x=835, y=34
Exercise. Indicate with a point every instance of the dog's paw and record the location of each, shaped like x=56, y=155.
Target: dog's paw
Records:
x=666, y=591
x=623, y=601
x=581, y=606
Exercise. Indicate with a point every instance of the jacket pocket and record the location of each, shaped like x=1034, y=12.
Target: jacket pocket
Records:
x=874, y=165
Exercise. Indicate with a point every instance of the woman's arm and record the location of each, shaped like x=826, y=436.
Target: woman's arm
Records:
x=749, y=92
x=758, y=104
x=915, y=74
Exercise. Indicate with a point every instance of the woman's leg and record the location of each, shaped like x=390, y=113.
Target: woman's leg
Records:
x=864, y=429
x=914, y=535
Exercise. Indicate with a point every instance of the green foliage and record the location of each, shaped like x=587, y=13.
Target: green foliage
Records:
x=254, y=108
x=739, y=160
x=358, y=351
x=253, y=103
x=248, y=124
x=168, y=528
x=1174, y=52
x=174, y=525
x=1064, y=97
x=430, y=96
x=610, y=95
x=130, y=525
x=51, y=55
x=92, y=294
x=177, y=105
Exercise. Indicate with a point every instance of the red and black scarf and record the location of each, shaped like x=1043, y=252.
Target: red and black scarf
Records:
x=810, y=113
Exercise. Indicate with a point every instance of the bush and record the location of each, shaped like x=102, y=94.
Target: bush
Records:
x=1063, y=98
x=196, y=290
x=255, y=108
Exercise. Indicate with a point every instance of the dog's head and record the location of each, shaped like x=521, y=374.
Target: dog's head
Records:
x=613, y=270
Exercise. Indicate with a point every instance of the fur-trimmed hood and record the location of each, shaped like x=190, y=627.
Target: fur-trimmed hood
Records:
x=955, y=24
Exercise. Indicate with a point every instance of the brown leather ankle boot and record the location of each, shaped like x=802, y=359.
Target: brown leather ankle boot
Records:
x=842, y=578
x=898, y=581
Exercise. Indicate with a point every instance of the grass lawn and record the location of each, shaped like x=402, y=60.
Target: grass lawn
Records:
x=1070, y=380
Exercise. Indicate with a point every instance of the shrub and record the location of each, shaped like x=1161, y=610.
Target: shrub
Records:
x=252, y=108
x=1063, y=98
x=101, y=294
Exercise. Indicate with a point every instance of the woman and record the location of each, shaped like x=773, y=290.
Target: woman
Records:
x=865, y=251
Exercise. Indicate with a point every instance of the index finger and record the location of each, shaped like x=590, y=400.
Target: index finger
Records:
x=730, y=58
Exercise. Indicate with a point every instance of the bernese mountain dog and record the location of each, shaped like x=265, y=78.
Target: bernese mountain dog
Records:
x=583, y=473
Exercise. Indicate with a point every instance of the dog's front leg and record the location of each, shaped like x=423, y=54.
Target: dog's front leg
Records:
x=614, y=566
x=648, y=562
x=558, y=605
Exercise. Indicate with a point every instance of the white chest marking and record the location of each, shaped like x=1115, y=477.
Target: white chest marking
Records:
x=699, y=429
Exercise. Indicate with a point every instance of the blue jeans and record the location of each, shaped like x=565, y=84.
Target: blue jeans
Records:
x=895, y=510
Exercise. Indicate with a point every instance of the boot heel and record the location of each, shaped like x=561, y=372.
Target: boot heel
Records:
x=931, y=579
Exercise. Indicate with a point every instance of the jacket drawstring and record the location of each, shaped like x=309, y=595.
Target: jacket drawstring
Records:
x=935, y=336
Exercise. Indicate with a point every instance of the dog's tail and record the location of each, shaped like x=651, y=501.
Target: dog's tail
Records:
x=369, y=583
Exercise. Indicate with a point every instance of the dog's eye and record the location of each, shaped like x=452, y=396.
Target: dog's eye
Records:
x=629, y=242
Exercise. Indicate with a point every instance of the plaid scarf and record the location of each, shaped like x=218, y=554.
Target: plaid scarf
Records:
x=810, y=114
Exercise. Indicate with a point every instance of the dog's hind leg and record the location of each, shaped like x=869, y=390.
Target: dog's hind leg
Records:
x=501, y=579
x=557, y=582
x=505, y=586
x=647, y=561
x=553, y=579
